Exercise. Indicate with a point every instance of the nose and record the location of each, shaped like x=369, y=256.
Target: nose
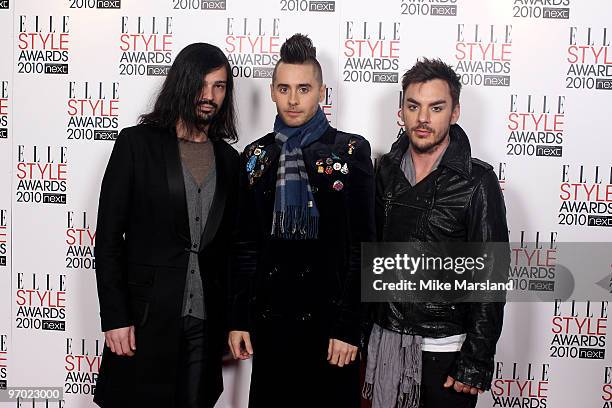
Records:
x=293, y=98
x=423, y=116
x=207, y=92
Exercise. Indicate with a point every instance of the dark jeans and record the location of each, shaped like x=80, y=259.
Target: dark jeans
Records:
x=433, y=395
x=192, y=362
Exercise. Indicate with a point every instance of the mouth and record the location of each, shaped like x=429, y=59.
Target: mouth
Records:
x=422, y=132
x=293, y=114
x=206, y=109
x=206, y=105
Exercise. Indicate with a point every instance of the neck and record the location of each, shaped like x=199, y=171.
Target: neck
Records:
x=194, y=135
x=424, y=161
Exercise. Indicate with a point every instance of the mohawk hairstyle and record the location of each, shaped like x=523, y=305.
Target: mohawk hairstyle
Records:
x=298, y=49
x=429, y=69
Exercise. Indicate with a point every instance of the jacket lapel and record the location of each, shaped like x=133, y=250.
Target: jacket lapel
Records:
x=217, y=206
x=176, y=186
x=273, y=151
x=265, y=161
x=458, y=155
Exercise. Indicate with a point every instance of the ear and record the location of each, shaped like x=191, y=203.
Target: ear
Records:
x=272, y=92
x=322, y=93
x=455, y=114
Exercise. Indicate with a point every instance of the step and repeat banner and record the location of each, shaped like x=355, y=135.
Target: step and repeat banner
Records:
x=536, y=104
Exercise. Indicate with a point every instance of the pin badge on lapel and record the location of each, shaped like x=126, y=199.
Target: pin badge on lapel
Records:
x=337, y=166
x=351, y=146
x=338, y=185
x=250, y=166
x=257, y=156
x=344, y=169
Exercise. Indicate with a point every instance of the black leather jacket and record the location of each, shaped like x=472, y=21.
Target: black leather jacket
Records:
x=460, y=201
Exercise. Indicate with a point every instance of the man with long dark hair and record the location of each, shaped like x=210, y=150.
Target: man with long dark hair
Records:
x=307, y=204
x=166, y=219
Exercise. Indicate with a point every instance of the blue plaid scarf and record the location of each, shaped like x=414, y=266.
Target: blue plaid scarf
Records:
x=295, y=212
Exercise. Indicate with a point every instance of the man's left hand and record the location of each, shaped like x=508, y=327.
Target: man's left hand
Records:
x=340, y=353
x=461, y=387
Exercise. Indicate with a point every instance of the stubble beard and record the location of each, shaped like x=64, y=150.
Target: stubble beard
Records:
x=430, y=146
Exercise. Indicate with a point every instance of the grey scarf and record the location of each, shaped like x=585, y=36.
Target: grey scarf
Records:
x=393, y=371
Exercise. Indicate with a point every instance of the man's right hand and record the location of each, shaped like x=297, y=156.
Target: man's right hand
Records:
x=240, y=344
x=121, y=341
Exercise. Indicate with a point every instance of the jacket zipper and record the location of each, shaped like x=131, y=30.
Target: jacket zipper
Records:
x=387, y=208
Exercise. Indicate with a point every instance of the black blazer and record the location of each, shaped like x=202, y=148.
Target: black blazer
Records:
x=304, y=280
x=142, y=252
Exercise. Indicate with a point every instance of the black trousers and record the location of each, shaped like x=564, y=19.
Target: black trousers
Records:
x=433, y=395
x=290, y=368
x=193, y=355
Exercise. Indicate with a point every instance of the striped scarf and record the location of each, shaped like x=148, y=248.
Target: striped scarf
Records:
x=295, y=212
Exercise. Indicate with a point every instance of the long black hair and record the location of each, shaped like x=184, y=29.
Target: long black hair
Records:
x=181, y=90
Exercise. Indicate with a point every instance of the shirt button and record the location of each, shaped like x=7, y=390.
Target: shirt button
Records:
x=192, y=271
x=194, y=246
x=190, y=295
x=197, y=218
x=190, y=310
x=199, y=190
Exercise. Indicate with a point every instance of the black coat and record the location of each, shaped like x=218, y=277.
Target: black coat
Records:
x=142, y=252
x=293, y=296
x=460, y=201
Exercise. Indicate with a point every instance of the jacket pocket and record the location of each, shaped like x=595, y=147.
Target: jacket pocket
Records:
x=140, y=275
x=140, y=282
x=440, y=310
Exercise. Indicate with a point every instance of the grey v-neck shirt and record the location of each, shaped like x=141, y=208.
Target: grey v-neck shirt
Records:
x=198, y=163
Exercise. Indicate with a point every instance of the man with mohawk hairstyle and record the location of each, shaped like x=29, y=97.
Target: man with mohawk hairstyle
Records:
x=307, y=203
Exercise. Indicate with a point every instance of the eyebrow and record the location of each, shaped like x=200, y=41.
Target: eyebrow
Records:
x=438, y=102
x=217, y=82
x=298, y=85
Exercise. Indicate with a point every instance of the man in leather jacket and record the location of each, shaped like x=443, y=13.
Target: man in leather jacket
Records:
x=306, y=204
x=430, y=189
